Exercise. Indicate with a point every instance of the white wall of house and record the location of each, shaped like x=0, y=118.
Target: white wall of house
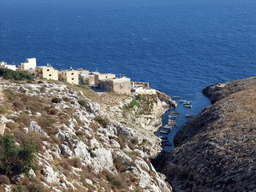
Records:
x=5, y=65
x=29, y=64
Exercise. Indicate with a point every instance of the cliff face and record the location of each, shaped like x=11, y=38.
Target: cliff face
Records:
x=216, y=150
x=87, y=142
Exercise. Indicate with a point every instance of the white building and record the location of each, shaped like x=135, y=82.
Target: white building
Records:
x=28, y=65
x=4, y=65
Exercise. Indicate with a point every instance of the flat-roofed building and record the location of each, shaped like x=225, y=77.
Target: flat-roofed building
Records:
x=47, y=72
x=5, y=65
x=28, y=65
x=88, y=79
x=71, y=76
x=100, y=77
x=118, y=85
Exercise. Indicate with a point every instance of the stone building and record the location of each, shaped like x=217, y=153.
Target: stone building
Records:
x=71, y=76
x=30, y=64
x=101, y=77
x=118, y=85
x=46, y=72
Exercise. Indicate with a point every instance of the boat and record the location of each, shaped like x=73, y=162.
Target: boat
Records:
x=173, y=117
x=175, y=113
x=164, y=132
x=187, y=103
x=171, y=122
x=168, y=127
x=176, y=97
x=187, y=115
x=167, y=144
x=182, y=101
x=163, y=137
x=188, y=106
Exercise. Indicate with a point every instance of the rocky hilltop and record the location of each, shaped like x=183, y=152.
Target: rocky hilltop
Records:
x=88, y=141
x=216, y=150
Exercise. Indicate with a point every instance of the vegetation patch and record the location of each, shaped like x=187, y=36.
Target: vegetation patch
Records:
x=16, y=159
x=104, y=122
x=15, y=75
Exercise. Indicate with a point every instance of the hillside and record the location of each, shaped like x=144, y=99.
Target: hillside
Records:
x=87, y=141
x=216, y=150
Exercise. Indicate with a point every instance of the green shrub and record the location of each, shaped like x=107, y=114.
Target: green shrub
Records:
x=15, y=75
x=20, y=188
x=133, y=103
x=102, y=121
x=82, y=102
x=16, y=159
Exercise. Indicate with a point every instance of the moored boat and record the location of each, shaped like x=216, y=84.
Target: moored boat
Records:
x=182, y=101
x=171, y=122
x=168, y=127
x=167, y=144
x=187, y=103
x=173, y=117
x=176, y=113
x=188, y=106
x=163, y=132
x=176, y=97
x=187, y=115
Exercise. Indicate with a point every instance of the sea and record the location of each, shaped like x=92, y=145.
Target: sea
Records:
x=178, y=48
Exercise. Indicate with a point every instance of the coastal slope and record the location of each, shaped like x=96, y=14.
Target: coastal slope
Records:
x=215, y=151
x=87, y=141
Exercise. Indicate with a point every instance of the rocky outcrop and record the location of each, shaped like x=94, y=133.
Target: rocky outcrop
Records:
x=216, y=150
x=84, y=146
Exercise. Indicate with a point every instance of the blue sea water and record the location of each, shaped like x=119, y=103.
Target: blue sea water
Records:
x=179, y=49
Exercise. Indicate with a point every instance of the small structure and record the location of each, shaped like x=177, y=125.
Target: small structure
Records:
x=30, y=64
x=82, y=75
x=5, y=65
x=140, y=84
x=118, y=85
x=71, y=76
x=47, y=72
x=88, y=79
x=101, y=77
x=144, y=91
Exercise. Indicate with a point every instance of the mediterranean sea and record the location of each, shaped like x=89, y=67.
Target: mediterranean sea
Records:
x=179, y=49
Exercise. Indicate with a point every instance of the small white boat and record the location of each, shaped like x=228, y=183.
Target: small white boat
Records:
x=163, y=132
x=187, y=115
x=182, y=101
x=187, y=103
x=168, y=127
x=188, y=106
x=176, y=97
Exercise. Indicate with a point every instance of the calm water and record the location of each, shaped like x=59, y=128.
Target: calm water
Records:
x=178, y=49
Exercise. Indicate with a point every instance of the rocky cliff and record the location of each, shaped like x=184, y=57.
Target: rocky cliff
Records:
x=216, y=150
x=88, y=142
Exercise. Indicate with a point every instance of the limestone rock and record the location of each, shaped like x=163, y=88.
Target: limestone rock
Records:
x=35, y=127
x=65, y=150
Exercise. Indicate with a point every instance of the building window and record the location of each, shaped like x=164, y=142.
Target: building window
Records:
x=72, y=78
x=50, y=75
x=72, y=73
x=48, y=69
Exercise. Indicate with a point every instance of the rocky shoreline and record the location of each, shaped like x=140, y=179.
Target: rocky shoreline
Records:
x=216, y=150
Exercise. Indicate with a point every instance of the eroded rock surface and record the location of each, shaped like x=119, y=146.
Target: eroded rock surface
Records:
x=216, y=150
